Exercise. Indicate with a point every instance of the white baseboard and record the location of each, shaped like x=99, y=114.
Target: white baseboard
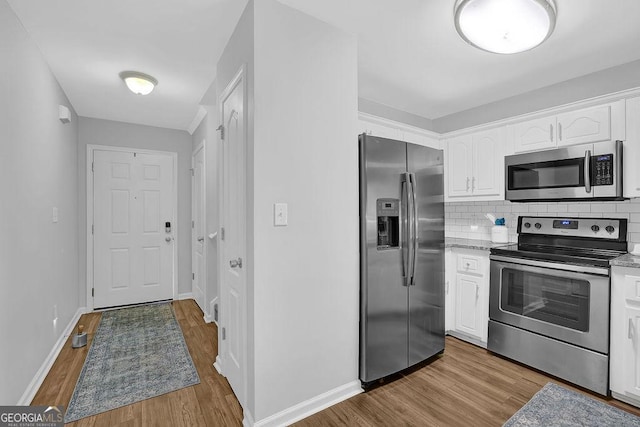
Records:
x=38, y=379
x=218, y=365
x=186, y=295
x=247, y=421
x=308, y=407
x=626, y=399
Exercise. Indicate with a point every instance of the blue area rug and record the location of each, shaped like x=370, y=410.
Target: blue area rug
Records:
x=557, y=406
x=137, y=353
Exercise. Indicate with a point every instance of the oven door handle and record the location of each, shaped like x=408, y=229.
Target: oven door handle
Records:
x=557, y=266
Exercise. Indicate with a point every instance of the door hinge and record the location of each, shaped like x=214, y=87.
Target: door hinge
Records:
x=221, y=129
x=192, y=172
x=224, y=334
x=92, y=166
x=193, y=224
x=135, y=154
x=215, y=312
x=92, y=228
x=93, y=293
x=193, y=276
x=222, y=233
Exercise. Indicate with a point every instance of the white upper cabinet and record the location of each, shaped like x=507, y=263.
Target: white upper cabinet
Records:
x=459, y=170
x=587, y=125
x=631, y=155
x=584, y=126
x=475, y=166
x=533, y=135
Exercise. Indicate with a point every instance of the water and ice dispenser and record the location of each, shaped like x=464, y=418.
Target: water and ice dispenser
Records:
x=388, y=213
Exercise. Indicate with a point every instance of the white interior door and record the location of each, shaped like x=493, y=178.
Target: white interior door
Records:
x=198, y=228
x=233, y=248
x=132, y=249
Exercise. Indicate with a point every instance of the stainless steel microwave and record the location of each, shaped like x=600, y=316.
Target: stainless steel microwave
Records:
x=579, y=172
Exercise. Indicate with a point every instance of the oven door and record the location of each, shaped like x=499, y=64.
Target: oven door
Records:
x=566, y=302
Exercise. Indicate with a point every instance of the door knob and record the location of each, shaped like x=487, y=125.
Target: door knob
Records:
x=168, y=239
x=201, y=239
x=236, y=263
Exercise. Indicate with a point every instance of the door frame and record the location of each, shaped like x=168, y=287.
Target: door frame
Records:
x=239, y=78
x=89, y=204
x=200, y=146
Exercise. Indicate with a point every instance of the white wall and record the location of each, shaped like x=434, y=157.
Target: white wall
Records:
x=306, y=281
x=610, y=80
x=38, y=171
x=106, y=132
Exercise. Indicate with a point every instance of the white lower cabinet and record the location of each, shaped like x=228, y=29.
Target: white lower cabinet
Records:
x=468, y=295
x=624, y=352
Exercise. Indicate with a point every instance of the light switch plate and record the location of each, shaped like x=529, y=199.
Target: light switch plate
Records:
x=280, y=214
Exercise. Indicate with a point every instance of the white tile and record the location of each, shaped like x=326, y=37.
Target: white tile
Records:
x=628, y=207
x=562, y=207
x=603, y=207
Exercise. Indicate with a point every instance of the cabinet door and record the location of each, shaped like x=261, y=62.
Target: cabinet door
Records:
x=625, y=332
x=469, y=315
x=584, y=126
x=538, y=134
x=631, y=351
x=488, y=163
x=459, y=163
x=631, y=178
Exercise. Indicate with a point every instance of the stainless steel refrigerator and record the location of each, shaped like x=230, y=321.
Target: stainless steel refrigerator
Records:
x=402, y=288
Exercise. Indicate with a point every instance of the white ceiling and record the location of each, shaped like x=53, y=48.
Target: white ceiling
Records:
x=410, y=56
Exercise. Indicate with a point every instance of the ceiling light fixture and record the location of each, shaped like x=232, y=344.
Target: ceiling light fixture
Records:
x=138, y=83
x=505, y=26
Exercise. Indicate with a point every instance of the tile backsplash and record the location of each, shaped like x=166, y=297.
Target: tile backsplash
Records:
x=467, y=219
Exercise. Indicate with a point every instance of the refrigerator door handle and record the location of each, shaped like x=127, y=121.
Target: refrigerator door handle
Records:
x=405, y=233
x=414, y=224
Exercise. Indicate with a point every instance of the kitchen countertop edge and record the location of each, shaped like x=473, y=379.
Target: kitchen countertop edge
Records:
x=482, y=245
x=626, y=260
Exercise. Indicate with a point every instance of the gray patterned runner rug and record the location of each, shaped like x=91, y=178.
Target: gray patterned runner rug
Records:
x=137, y=353
x=557, y=406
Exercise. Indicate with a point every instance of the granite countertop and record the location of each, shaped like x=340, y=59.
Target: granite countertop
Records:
x=483, y=245
x=627, y=260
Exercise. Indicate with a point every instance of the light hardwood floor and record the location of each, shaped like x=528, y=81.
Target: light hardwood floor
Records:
x=467, y=386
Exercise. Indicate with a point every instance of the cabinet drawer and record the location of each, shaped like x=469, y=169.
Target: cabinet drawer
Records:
x=470, y=264
x=632, y=288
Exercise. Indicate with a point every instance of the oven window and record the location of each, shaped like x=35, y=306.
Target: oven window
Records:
x=560, y=173
x=556, y=300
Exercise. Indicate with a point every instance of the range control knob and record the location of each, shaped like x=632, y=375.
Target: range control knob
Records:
x=538, y=225
x=595, y=228
x=609, y=229
x=527, y=225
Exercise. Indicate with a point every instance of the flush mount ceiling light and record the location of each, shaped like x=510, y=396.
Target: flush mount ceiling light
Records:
x=138, y=83
x=505, y=26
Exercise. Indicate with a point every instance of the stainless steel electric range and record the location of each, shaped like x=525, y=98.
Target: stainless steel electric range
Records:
x=549, y=296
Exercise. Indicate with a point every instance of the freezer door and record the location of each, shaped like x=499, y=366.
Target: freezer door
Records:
x=427, y=292
x=383, y=290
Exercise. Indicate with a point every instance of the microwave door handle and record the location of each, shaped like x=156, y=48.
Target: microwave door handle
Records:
x=587, y=171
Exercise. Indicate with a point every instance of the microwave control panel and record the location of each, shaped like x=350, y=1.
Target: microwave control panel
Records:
x=602, y=169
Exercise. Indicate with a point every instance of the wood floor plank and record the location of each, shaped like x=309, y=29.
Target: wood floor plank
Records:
x=466, y=386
